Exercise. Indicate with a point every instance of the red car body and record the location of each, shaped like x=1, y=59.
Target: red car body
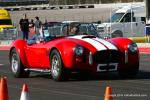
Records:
x=98, y=55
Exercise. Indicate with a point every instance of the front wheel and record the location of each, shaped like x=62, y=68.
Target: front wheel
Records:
x=58, y=72
x=16, y=65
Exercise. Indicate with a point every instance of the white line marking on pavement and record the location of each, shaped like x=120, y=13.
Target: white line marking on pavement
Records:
x=1, y=64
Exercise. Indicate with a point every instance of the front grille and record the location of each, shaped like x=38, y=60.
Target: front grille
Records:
x=107, y=56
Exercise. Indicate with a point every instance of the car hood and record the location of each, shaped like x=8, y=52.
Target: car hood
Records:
x=92, y=42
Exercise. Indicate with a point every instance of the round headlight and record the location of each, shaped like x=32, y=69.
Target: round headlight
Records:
x=78, y=50
x=132, y=47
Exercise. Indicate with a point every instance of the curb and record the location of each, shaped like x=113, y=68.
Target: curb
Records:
x=5, y=44
x=144, y=50
x=4, y=47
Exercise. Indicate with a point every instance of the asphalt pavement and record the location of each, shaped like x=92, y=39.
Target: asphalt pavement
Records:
x=42, y=87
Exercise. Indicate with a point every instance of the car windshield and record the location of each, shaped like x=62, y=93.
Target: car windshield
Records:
x=116, y=17
x=61, y=29
x=5, y=22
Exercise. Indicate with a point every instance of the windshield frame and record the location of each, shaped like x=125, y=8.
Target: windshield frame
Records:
x=60, y=30
x=117, y=18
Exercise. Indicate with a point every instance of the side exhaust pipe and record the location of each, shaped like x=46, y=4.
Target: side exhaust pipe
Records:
x=38, y=70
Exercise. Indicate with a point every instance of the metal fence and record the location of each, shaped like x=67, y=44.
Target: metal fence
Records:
x=9, y=34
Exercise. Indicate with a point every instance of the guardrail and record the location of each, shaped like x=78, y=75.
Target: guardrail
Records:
x=9, y=34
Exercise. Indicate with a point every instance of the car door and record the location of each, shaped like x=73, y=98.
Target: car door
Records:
x=127, y=25
x=139, y=28
x=127, y=29
x=37, y=56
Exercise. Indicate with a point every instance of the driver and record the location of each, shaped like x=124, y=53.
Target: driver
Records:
x=73, y=29
x=35, y=39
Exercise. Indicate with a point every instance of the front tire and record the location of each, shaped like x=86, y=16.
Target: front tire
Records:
x=58, y=72
x=17, y=66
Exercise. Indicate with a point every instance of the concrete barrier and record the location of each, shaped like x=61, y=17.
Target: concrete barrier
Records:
x=145, y=39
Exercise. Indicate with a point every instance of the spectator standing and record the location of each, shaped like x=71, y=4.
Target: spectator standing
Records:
x=24, y=26
x=45, y=25
x=38, y=26
x=31, y=24
x=45, y=29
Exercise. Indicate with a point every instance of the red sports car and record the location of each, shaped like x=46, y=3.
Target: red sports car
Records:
x=59, y=54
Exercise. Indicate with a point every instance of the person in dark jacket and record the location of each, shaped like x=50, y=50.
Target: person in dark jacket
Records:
x=24, y=26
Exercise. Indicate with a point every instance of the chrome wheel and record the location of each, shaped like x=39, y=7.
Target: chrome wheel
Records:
x=58, y=72
x=55, y=65
x=14, y=63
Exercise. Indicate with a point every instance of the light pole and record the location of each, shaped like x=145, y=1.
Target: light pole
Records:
x=65, y=2
x=79, y=2
x=147, y=2
x=100, y=1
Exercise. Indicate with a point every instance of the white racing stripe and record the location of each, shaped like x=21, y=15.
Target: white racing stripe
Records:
x=96, y=44
x=107, y=44
x=91, y=41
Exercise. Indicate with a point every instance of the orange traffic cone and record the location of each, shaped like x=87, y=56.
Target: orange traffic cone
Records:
x=3, y=89
x=25, y=93
x=108, y=93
